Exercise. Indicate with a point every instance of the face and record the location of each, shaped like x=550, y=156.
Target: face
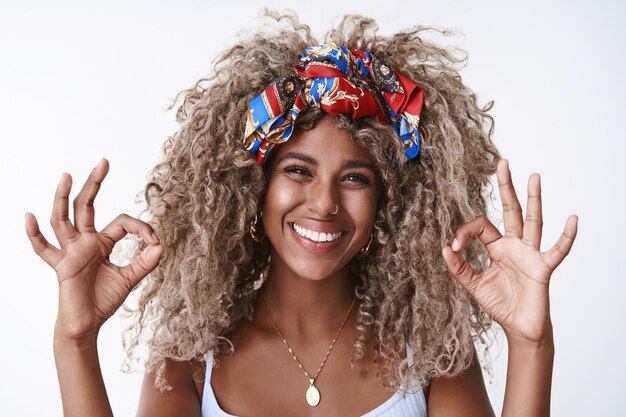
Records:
x=309, y=176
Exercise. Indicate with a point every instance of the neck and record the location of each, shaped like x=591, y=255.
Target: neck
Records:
x=303, y=308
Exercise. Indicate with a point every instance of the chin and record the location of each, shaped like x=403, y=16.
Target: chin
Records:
x=314, y=271
x=311, y=268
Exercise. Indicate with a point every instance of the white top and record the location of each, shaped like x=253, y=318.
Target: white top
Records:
x=412, y=405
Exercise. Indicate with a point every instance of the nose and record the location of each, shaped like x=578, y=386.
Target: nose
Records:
x=323, y=198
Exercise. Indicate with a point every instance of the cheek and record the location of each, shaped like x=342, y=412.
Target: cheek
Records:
x=362, y=209
x=279, y=199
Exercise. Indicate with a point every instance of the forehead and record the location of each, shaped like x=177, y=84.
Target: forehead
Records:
x=324, y=142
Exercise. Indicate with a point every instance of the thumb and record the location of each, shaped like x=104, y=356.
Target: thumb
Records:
x=143, y=264
x=459, y=268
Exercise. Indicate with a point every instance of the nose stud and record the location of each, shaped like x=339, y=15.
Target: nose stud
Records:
x=336, y=210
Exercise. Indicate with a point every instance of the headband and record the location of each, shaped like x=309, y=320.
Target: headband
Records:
x=337, y=80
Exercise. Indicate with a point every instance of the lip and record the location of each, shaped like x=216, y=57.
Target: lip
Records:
x=317, y=247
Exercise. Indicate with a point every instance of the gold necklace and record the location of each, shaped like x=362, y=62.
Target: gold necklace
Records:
x=312, y=393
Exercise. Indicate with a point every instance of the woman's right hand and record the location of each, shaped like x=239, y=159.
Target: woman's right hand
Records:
x=91, y=288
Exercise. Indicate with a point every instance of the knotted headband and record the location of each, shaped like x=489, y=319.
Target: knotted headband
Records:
x=330, y=77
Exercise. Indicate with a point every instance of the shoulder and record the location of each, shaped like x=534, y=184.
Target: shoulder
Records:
x=185, y=380
x=464, y=394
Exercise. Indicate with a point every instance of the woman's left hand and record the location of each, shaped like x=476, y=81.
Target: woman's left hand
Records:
x=513, y=290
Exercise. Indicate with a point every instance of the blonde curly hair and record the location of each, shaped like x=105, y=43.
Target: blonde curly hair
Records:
x=203, y=195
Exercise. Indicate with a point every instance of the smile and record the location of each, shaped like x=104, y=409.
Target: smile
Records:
x=315, y=236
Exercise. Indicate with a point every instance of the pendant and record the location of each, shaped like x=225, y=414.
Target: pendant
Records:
x=312, y=394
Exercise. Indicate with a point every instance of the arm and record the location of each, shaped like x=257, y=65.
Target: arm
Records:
x=527, y=389
x=83, y=391
x=91, y=288
x=80, y=379
x=183, y=400
x=514, y=290
x=528, y=379
x=464, y=395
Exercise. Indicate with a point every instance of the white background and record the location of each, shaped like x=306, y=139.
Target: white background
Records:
x=83, y=80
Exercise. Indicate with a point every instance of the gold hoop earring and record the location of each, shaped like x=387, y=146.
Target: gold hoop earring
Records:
x=366, y=248
x=257, y=236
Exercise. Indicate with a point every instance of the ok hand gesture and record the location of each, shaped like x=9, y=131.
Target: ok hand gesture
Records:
x=513, y=290
x=91, y=288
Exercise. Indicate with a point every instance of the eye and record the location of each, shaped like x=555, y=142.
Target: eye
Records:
x=296, y=170
x=357, y=179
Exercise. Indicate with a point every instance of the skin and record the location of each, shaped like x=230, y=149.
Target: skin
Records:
x=310, y=176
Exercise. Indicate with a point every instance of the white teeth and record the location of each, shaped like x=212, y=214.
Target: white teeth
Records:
x=315, y=236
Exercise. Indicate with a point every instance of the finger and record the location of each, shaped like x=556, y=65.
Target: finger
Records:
x=480, y=228
x=561, y=248
x=511, y=207
x=60, y=220
x=51, y=255
x=84, y=213
x=124, y=224
x=533, y=224
x=460, y=269
x=142, y=265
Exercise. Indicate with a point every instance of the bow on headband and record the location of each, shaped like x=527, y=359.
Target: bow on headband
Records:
x=330, y=77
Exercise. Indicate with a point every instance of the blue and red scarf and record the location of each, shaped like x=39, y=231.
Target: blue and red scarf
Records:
x=337, y=80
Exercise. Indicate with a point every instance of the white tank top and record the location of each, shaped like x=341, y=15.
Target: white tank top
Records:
x=411, y=405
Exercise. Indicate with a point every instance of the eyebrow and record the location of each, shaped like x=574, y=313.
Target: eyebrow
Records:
x=300, y=156
x=353, y=163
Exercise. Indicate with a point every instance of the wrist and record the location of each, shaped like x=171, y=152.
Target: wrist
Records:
x=545, y=342
x=537, y=336
x=63, y=340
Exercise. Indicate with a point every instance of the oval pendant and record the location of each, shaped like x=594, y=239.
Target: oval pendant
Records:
x=312, y=396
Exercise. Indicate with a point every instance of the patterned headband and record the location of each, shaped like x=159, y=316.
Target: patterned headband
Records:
x=336, y=80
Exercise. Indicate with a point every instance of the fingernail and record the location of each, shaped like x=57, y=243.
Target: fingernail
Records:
x=155, y=237
x=455, y=245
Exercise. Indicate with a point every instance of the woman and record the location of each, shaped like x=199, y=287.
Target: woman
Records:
x=308, y=272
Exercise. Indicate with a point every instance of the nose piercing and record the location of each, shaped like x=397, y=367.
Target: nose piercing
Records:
x=336, y=210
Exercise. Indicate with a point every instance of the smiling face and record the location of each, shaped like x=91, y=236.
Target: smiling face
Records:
x=309, y=176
